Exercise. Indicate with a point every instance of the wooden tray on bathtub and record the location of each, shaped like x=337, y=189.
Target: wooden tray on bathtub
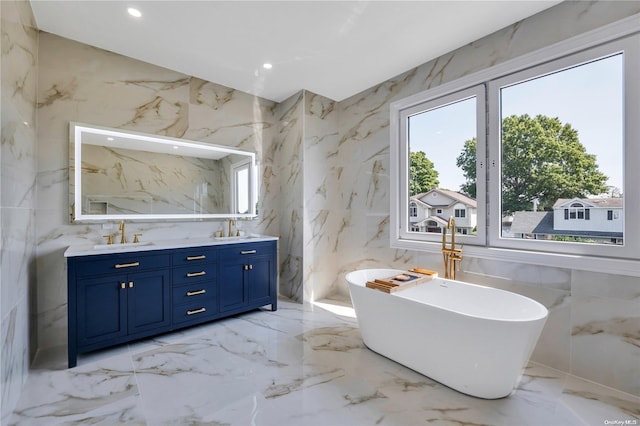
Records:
x=393, y=284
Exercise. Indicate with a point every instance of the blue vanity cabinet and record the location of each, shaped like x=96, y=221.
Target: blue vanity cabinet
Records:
x=247, y=276
x=119, y=297
x=116, y=298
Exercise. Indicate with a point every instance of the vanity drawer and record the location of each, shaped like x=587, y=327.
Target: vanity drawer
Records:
x=125, y=263
x=194, y=273
x=194, y=293
x=195, y=311
x=236, y=251
x=195, y=256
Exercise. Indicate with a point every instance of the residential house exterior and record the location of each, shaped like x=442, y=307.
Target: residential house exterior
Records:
x=600, y=219
x=430, y=211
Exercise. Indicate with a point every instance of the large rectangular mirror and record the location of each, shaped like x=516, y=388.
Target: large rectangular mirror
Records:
x=116, y=175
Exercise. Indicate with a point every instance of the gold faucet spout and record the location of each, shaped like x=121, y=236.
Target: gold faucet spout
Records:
x=231, y=224
x=123, y=238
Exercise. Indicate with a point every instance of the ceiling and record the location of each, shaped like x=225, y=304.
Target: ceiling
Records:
x=332, y=48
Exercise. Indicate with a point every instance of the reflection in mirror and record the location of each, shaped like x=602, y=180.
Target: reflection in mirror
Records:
x=129, y=175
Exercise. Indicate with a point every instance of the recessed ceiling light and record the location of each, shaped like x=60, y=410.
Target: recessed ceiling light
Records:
x=134, y=12
x=175, y=147
x=109, y=139
x=267, y=66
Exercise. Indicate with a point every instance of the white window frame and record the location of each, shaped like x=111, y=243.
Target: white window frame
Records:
x=438, y=101
x=630, y=248
x=235, y=168
x=460, y=213
x=613, y=259
x=573, y=212
x=413, y=209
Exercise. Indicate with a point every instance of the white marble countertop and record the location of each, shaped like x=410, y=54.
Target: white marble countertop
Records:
x=95, y=249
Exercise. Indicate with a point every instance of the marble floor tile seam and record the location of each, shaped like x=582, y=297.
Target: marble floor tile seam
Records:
x=569, y=376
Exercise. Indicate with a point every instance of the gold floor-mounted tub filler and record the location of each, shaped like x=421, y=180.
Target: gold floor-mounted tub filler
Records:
x=452, y=255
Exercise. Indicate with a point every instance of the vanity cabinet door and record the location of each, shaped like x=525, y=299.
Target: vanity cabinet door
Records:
x=247, y=276
x=115, y=298
x=148, y=301
x=233, y=292
x=260, y=282
x=101, y=309
x=114, y=306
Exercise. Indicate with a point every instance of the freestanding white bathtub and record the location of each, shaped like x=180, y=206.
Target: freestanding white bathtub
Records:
x=474, y=339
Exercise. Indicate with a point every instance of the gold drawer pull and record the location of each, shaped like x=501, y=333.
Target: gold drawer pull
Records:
x=248, y=252
x=196, y=274
x=195, y=293
x=202, y=256
x=197, y=311
x=127, y=265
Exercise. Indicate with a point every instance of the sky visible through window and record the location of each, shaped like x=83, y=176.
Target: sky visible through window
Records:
x=587, y=97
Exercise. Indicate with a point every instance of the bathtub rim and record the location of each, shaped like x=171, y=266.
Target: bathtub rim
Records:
x=543, y=315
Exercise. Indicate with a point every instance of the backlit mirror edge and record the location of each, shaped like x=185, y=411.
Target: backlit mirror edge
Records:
x=76, y=215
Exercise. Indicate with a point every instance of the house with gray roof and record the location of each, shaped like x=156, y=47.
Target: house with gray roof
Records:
x=600, y=219
x=430, y=211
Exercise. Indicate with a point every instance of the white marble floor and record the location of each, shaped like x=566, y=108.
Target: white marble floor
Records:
x=301, y=365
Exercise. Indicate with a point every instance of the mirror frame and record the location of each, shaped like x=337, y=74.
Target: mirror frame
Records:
x=75, y=137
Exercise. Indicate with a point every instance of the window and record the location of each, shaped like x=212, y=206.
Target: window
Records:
x=576, y=211
x=438, y=132
x=553, y=144
x=241, y=187
x=413, y=210
x=552, y=148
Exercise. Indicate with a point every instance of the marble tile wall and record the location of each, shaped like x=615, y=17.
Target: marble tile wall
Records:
x=307, y=141
x=18, y=77
x=322, y=218
x=80, y=83
x=593, y=327
x=290, y=115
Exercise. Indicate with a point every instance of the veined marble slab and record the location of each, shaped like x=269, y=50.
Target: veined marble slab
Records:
x=90, y=249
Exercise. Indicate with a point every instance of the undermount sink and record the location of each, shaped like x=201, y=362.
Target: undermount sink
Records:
x=116, y=245
x=241, y=237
